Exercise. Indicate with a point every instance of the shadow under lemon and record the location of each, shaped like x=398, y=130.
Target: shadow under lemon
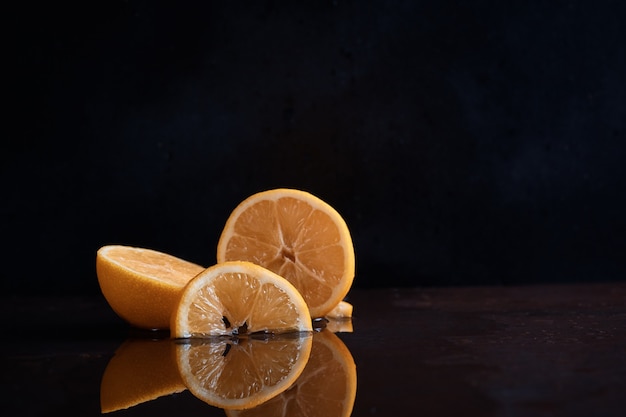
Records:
x=308, y=375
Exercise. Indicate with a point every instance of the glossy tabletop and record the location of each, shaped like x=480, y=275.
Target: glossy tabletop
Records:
x=550, y=350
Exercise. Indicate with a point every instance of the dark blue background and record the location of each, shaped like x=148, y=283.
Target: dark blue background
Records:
x=464, y=142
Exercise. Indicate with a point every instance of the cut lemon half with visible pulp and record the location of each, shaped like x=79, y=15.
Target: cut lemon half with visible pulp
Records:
x=299, y=237
x=233, y=298
x=242, y=372
x=142, y=285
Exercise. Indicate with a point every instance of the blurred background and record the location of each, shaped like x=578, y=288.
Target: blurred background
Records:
x=464, y=143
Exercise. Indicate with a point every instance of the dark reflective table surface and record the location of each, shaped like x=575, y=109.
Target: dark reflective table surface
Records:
x=552, y=350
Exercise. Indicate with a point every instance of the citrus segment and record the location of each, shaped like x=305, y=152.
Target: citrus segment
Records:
x=326, y=387
x=241, y=373
x=142, y=285
x=239, y=297
x=298, y=236
x=140, y=371
x=342, y=310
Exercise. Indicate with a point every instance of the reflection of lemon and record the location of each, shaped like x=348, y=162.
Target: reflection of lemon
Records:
x=326, y=388
x=340, y=318
x=299, y=237
x=142, y=285
x=340, y=325
x=140, y=371
x=241, y=373
x=239, y=297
